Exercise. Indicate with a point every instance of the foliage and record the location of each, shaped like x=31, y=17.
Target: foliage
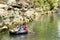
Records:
x=49, y=3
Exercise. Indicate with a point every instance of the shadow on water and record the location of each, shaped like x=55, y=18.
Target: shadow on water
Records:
x=46, y=28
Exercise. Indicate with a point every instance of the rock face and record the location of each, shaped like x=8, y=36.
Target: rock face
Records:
x=13, y=13
x=16, y=12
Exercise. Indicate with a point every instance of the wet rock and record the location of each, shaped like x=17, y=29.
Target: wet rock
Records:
x=4, y=28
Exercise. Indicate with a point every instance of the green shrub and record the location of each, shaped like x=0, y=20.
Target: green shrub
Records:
x=49, y=3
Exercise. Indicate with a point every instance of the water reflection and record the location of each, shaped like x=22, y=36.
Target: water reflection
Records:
x=17, y=37
x=59, y=26
x=45, y=29
x=6, y=36
x=13, y=37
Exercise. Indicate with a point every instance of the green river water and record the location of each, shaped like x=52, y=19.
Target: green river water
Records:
x=46, y=28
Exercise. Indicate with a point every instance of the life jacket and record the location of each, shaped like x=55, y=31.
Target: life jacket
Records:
x=19, y=27
x=24, y=28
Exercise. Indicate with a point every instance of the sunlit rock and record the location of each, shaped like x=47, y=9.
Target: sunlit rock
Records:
x=4, y=6
x=29, y=13
x=4, y=27
x=7, y=21
x=1, y=23
x=11, y=2
x=36, y=15
x=39, y=9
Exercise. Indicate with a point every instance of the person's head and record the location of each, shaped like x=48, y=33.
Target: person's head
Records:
x=24, y=23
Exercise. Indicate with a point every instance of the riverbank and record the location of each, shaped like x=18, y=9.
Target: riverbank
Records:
x=15, y=13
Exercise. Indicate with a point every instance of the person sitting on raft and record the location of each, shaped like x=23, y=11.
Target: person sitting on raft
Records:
x=22, y=27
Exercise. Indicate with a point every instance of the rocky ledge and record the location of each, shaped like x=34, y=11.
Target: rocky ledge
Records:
x=13, y=13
